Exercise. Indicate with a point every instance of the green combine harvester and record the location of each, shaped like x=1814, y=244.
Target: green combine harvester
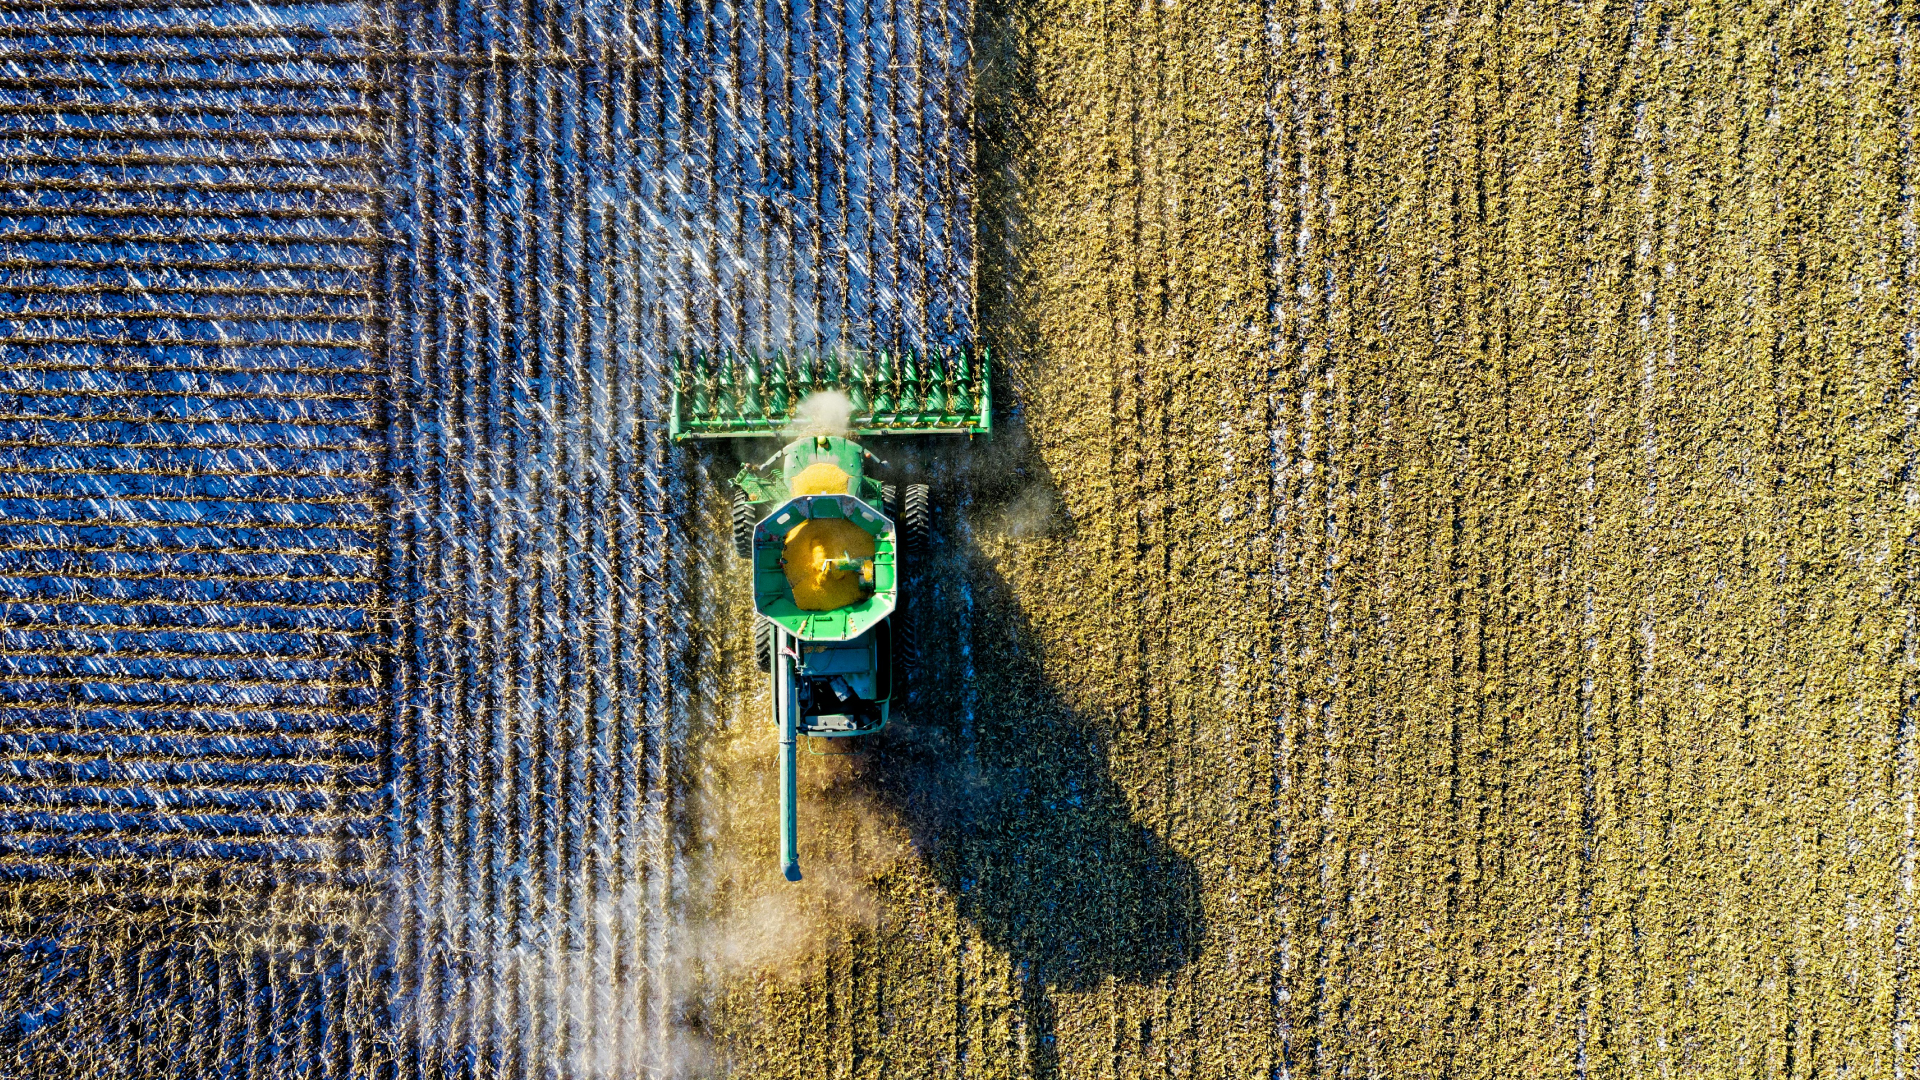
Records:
x=830, y=543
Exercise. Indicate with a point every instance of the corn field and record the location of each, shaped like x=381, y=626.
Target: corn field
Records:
x=1438, y=600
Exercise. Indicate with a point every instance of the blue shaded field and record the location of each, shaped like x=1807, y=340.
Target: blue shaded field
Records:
x=192, y=503
x=166, y=539
x=345, y=581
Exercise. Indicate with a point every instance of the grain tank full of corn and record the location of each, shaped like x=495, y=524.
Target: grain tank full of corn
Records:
x=831, y=544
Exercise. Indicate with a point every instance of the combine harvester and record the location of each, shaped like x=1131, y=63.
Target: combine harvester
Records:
x=830, y=543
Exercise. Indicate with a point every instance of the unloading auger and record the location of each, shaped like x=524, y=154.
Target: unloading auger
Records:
x=829, y=543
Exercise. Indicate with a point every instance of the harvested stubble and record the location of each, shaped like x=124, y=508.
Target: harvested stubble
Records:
x=354, y=565
x=191, y=685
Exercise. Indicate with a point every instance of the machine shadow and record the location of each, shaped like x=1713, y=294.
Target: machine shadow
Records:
x=1004, y=786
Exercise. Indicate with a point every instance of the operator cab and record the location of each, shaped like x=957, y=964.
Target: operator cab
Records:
x=844, y=686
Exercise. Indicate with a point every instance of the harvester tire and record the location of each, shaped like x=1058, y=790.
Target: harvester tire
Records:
x=890, y=502
x=744, y=519
x=909, y=650
x=763, y=645
x=905, y=660
x=916, y=521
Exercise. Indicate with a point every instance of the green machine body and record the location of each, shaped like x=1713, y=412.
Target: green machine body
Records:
x=836, y=673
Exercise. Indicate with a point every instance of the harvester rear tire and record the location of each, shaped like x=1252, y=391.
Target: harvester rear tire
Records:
x=906, y=655
x=763, y=645
x=916, y=521
x=744, y=519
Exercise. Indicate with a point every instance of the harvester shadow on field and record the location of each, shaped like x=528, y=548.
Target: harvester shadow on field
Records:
x=1005, y=787
x=1030, y=832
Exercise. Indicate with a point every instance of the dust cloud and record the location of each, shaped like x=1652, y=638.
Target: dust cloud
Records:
x=824, y=412
x=733, y=921
x=1034, y=511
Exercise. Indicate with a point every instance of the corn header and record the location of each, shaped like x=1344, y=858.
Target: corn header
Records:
x=829, y=542
x=908, y=392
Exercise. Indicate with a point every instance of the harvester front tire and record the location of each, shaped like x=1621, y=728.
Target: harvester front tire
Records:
x=890, y=501
x=763, y=645
x=744, y=519
x=916, y=520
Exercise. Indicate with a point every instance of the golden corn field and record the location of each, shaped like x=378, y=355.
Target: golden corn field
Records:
x=1448, y=594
